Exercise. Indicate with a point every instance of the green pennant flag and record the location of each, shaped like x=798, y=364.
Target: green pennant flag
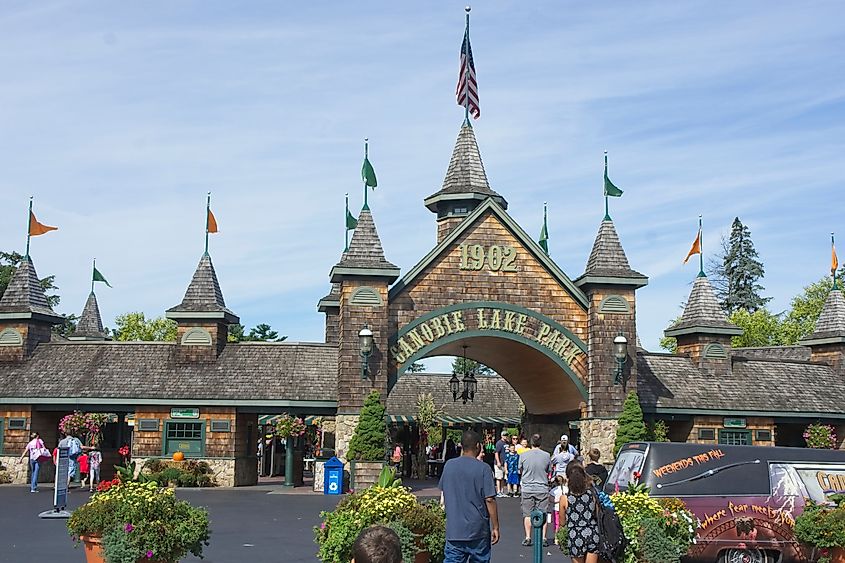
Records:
x=544, y=237
x=351, y=222
x=609, y=188
x=368, y=174
x=98, y=277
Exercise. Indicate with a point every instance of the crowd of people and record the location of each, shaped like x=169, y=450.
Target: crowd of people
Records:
x=559, y=485
x=83, y=461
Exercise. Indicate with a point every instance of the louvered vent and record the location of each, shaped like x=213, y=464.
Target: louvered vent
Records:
x=148, y=425
x=196, y=337
x=10, y=337
x=614, y=304
x=220, y=426
x=715, y=352
x=366, y=296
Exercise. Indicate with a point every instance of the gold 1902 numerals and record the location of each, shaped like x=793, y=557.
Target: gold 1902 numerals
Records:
x=496, y=258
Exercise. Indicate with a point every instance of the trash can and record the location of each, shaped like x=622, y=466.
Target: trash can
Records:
x=333, y=477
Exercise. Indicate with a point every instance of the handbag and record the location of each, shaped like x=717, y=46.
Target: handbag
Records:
x=43, y=453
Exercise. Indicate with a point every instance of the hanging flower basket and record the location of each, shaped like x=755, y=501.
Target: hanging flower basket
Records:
x=289, y=426
x=820, y=436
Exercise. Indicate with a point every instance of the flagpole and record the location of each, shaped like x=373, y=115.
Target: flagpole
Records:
x=207, y=209
x=346, y=223
x=606, y=207
x=466, y=69
x=833, y=269
x=366, y=156
x=28, y=227
x=700, y=248
x=92, y=275
x=546, y=224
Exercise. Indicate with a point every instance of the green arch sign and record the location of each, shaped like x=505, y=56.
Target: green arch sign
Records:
x=474, y=319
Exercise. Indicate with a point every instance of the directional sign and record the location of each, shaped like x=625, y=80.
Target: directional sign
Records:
x=62, y=469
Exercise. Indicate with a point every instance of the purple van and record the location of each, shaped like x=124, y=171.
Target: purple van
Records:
x=746, y=497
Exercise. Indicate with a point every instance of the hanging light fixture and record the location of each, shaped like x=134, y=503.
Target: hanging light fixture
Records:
x=470, y=384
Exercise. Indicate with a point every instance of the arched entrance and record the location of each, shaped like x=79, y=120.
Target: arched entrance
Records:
x=539, y=357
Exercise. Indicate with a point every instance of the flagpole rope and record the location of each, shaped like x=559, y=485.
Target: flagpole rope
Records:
x=28, y=227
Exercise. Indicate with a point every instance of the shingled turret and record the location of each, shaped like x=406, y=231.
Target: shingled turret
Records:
x=464, y=187
x=610, y=284
x=202, y=315
x=90, y=324
x=363, y=276
x=704, y=331
x=26, y=317
x=827, y=343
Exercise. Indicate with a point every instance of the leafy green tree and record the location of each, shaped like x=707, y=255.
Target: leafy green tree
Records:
x=631, y=427
x=465, y=365
x=259, y=333
x=741, y=271
x=236, y=333
x=368, y=440
x=761, y=328
x=805, y=309
x=8, y=264
x=135, y=327
x=659, y=431
x=670, y=343
x=415, y=367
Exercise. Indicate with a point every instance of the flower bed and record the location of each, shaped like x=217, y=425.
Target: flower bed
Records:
x=140, y=521
x=421, y=527
x=188, y=473
x=823, y=526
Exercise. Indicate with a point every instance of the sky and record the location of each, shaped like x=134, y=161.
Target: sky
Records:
x=119, y=117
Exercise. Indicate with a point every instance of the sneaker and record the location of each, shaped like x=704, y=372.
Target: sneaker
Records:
x=547, y=543
x=33, y=491
x=527, y=542
x=500, y=495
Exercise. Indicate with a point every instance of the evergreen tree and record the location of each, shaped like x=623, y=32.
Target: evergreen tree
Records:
x=742, y=270
x=631, y=427
x=368, y=441
x=465, y=365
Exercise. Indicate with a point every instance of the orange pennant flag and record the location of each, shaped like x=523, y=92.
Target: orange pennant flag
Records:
x=212, y=222
x=834, y=261
x=36, y=228
x=696, y=247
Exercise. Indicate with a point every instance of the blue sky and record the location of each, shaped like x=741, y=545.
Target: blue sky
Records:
x=119, y=117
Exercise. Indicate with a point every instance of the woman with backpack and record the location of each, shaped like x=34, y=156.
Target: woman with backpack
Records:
x=578, y=513
x=38, y=454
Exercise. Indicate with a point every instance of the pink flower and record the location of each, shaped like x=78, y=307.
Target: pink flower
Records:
x=149, y=554
x=322, y=525
x=128, y=528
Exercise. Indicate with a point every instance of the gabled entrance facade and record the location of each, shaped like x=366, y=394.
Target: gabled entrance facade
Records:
x=489, y=291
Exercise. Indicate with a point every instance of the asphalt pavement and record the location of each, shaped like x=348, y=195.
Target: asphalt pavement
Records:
x=249, y=525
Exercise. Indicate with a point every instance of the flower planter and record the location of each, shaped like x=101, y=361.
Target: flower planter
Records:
x=93, y=549
x=365, y=473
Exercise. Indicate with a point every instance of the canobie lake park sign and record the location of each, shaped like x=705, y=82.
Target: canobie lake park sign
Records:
x=468, y=320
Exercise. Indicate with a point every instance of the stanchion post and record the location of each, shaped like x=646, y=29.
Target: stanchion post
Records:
x=538, y=520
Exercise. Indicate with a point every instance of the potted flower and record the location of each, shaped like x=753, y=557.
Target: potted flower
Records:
x=822, y=526
x=421, y=527
x=820, y=436
x=289, y=426
x=132, y=521
x=85, y=426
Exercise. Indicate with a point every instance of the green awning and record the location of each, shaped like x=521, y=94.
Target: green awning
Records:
x=272, y=419
x=459, y=420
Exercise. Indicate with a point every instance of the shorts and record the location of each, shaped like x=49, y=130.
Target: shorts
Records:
x=498, y=473
x=530, y=501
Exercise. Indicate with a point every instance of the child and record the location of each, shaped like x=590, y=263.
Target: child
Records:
x=560, y=490
x=377, y=544
x=95, y=458
x=512, y=465
x=82, y=460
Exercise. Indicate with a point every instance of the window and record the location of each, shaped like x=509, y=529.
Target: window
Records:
x=220, y=426
x=735, y=437
x=706, y=433
x=17, y=423
x=148, y=425
x=185, y=437
x=627, y=462
x=763, y=435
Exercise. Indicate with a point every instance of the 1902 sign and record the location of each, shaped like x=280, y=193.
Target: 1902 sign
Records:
x=496, y=258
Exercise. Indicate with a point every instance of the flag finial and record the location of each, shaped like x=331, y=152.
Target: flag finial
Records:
x=468, y=9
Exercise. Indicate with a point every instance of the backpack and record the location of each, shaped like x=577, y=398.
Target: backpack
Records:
x=74, y=448
x=612, y=540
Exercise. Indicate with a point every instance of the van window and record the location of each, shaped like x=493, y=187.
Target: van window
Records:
x=821, y=480
x=785, y=482
x=627, y=462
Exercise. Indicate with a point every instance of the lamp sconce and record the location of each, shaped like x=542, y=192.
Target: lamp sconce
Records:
x=620, y=352
x=365, y=343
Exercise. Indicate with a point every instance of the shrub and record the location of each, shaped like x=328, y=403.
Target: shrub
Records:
x=368, y=441
x=656, y=547
x=190, y=473
x=407, y=540
x=631, y=426
x=822, y=526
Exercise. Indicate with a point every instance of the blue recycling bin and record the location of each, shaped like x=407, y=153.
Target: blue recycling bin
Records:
x=333, y=477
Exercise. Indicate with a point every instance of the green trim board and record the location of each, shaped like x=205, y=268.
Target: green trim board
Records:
x=528, y=242
x=422, y=352
x=339, y=272
x=701, y=329
x=452, y=420
x=129, y=401
x=739, y=413
x=636, y=282
x=191, y=452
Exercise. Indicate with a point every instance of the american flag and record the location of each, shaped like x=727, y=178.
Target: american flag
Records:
x=470, y=89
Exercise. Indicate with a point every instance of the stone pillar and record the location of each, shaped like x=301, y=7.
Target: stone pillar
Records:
x=345, y=425
x=599, y=433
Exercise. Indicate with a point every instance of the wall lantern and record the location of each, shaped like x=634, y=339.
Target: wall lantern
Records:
x=365, y=342
x=620, y=352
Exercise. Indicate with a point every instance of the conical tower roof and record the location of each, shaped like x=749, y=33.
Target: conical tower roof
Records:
x=608, y=263
x=703, y=314
x=25, y=298
x=831, y=324
x=203, y=296
x=365, y=255
x=90, y=324
x=465, y=177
